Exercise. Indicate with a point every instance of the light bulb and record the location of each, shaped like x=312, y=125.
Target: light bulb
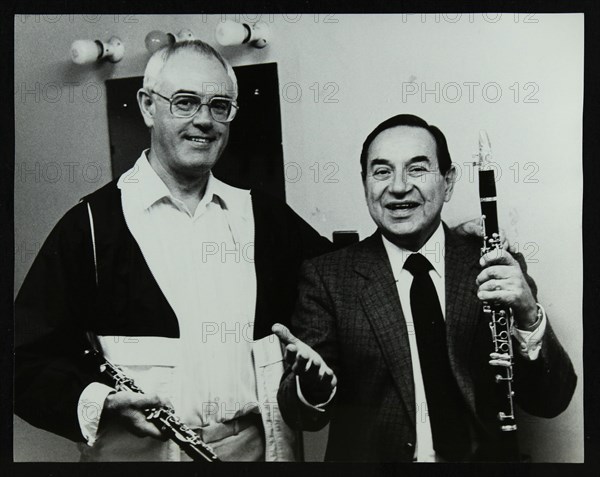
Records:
x=156, y=39
x=89, y=51
x=229, y=33
x=85, y=51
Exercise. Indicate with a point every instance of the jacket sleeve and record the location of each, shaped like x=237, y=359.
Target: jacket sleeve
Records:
x=545, y=385
x=314, y=323
x=51, y=315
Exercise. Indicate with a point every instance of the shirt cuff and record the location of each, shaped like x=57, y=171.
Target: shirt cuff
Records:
x=89, y=409
x=530, y=342
x=317, y=407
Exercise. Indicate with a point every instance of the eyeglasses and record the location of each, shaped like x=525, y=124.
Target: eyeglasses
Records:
x=186, y=105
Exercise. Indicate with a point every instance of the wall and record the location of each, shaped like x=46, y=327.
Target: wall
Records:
x=519, y=77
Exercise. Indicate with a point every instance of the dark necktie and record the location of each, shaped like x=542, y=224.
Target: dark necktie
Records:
x=446, y=407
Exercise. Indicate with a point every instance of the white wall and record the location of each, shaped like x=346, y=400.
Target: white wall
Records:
x=352, y=71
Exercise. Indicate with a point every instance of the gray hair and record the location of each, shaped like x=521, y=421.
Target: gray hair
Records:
x=158, y=60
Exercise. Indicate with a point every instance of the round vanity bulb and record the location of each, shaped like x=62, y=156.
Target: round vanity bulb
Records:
x=156, y=39
x=229, y=33
x=85, y=51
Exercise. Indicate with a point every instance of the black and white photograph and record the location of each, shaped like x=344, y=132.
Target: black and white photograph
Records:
x=298, y=237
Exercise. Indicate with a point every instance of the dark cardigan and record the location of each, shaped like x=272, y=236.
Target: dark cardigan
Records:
x=59, y=300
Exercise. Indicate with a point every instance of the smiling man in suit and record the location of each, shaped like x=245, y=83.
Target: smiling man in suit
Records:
x=391, y=346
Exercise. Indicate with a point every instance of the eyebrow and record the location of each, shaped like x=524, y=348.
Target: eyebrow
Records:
x=188, y=91
x=382, y=161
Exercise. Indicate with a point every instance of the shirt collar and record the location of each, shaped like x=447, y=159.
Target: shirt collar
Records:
x=149, y=189
x=433, y=250
x=236, y=201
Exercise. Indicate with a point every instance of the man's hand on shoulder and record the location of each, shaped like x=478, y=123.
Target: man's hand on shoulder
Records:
x=128, y=407
x=317, y=380
x=502, y=281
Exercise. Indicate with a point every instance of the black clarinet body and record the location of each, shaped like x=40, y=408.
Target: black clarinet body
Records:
x=500, y=318
x=163, y=418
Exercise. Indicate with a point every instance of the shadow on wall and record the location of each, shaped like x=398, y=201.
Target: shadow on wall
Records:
x=49, y=447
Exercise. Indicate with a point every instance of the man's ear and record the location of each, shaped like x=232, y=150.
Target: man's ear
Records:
x=449, y=180
x=147, y=106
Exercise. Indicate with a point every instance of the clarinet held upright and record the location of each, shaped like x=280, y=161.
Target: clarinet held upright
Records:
x=500, y=318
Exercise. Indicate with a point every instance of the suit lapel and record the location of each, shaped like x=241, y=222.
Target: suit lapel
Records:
x=381, y=305
x=462, y=310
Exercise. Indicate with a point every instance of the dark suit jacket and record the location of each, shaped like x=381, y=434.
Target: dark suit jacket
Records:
x=350, y=313
x=59, y=299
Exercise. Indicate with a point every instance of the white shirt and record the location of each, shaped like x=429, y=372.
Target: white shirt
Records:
x=433, y=250
x=203, y=261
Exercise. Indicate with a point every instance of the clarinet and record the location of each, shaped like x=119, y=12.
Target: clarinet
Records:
x=500, y=318
x=163, y=418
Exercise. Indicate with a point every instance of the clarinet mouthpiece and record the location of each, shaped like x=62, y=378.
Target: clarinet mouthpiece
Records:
x=485, y=149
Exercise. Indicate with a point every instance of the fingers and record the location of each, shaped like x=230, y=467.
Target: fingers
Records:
x=303, y=361
x=291, y=353
x=505, y=284
x=500, y=359
x=499, y=291
x=297, y=359
x=317, y=387
x=497, y=296
x=498, y=265
x=496, y=257
x=315, y=372
x=506, y=245
x=473, y=227
x=315, y=376
x=130, y=409
x=495, y=272
x=316, y=379
x=284, y=334
x=308, y=365
x=329, y=379
x=142, y=427
x=492, y=285
x=470, y=227
x=297, y=354
x=500, y=363
x=302, y=364
x=149, y=401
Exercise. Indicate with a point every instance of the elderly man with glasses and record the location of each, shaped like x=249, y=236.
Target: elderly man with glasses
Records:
x=177, y=277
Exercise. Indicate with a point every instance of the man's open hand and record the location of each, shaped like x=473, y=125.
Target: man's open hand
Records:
x=317, y=380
